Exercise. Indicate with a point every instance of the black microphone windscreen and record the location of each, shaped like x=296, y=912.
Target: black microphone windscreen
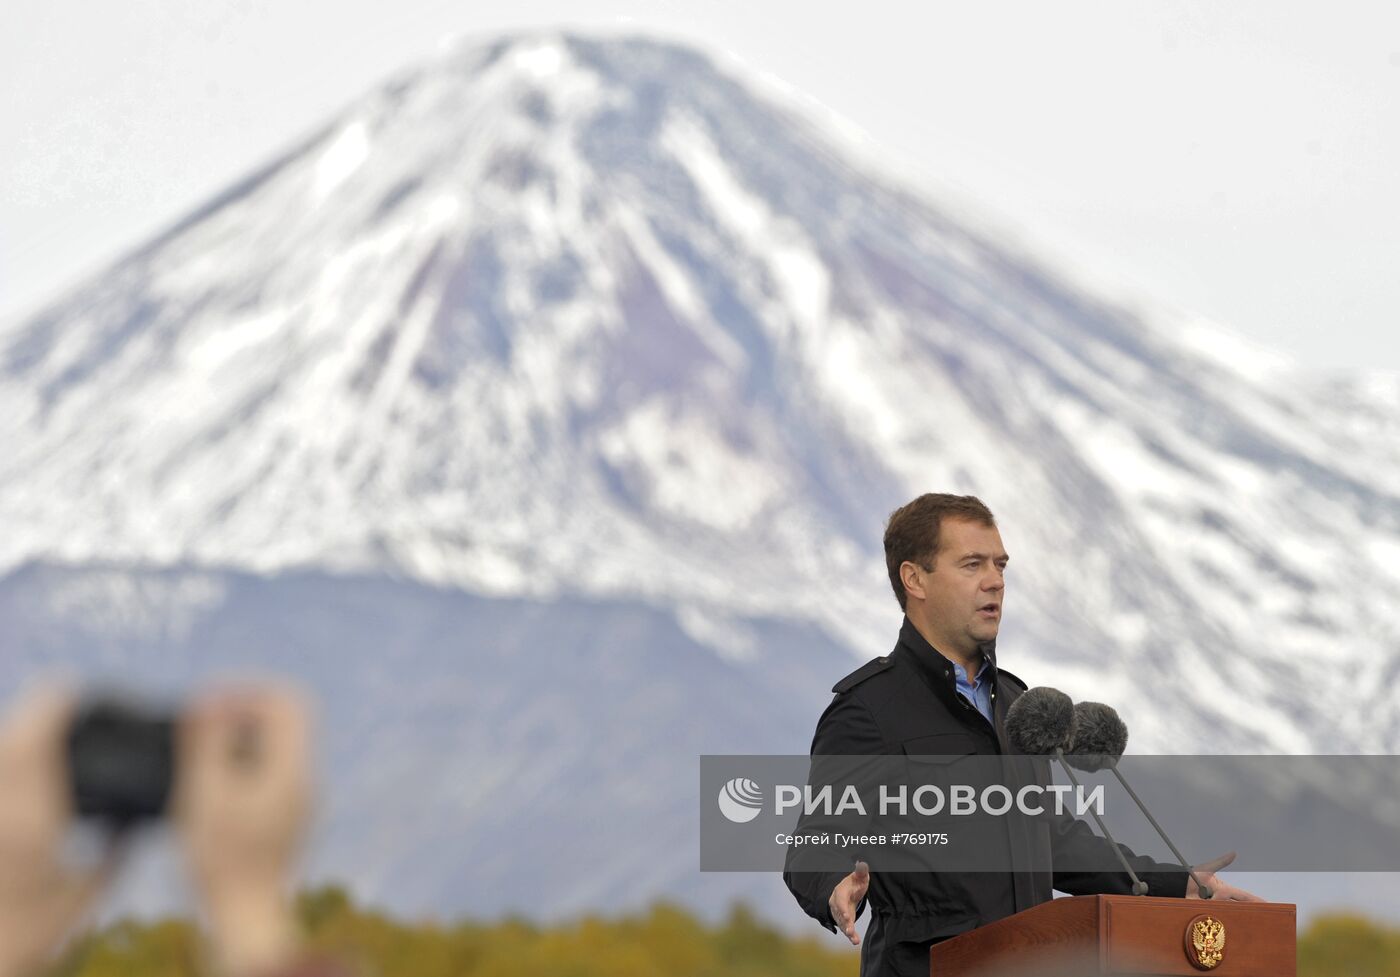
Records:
x=1100, y=737
x=1040, y=722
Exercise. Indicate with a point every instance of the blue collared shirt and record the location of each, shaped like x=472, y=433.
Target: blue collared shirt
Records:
x=980, y=693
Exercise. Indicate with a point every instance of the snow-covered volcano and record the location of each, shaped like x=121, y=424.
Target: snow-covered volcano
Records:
x=569, y=320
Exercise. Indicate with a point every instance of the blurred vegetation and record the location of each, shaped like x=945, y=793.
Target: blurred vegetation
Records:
x=1345, y=945
x=666, y=940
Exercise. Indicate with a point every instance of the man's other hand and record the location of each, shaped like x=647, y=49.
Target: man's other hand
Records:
x=41, y=892
x=845, y=899
x=242, y=804
x=1220, y=888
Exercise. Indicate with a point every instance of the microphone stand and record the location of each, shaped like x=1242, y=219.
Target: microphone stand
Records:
x=1205, y=891
x=1139, y=886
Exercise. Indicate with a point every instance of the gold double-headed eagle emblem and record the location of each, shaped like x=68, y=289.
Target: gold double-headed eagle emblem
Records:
x=1205, y=942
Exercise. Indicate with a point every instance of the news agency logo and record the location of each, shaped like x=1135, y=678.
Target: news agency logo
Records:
x=740, y=800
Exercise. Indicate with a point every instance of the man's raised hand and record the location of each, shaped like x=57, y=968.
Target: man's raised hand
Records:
x=845, y=899
x=1219, y=887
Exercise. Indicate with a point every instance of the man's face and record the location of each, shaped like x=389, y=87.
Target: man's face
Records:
x=962, y=597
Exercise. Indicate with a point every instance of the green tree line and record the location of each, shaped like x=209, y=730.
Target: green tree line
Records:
x=664, y=940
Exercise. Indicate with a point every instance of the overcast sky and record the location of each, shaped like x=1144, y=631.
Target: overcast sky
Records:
x=1238, y=161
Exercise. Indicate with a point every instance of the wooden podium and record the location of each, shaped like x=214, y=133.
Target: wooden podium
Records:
x=1100, y=935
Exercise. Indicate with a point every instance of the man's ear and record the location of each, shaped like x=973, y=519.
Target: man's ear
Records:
x=910, y=576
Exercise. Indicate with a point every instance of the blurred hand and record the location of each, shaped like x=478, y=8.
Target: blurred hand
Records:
x=243, y=797
x=41, y=897
x=845, y=899
x=1220, y=888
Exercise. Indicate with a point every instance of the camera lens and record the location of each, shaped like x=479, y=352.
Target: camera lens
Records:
x=121, y=762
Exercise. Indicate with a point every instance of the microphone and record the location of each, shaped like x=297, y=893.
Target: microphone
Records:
x=1043, y=722
x=1099, y=741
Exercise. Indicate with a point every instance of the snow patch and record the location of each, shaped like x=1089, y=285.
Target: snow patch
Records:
x=743, y=212
x=112, y=601
x=1385, y=555
x=799, y=272
x=216, y=349
x=540, y=60
x=681, y=293
x=718, y=632
x=1232, y=351
x=689, y=470
x=346, y=154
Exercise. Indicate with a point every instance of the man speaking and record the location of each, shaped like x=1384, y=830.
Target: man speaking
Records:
x=940, y=691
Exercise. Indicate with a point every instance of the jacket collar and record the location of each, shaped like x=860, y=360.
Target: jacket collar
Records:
x=933, y=667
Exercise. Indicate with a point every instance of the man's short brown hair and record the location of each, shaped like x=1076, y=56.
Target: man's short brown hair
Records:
x=912, y=532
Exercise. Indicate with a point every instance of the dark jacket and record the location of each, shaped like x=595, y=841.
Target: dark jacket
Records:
x=906, y=702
